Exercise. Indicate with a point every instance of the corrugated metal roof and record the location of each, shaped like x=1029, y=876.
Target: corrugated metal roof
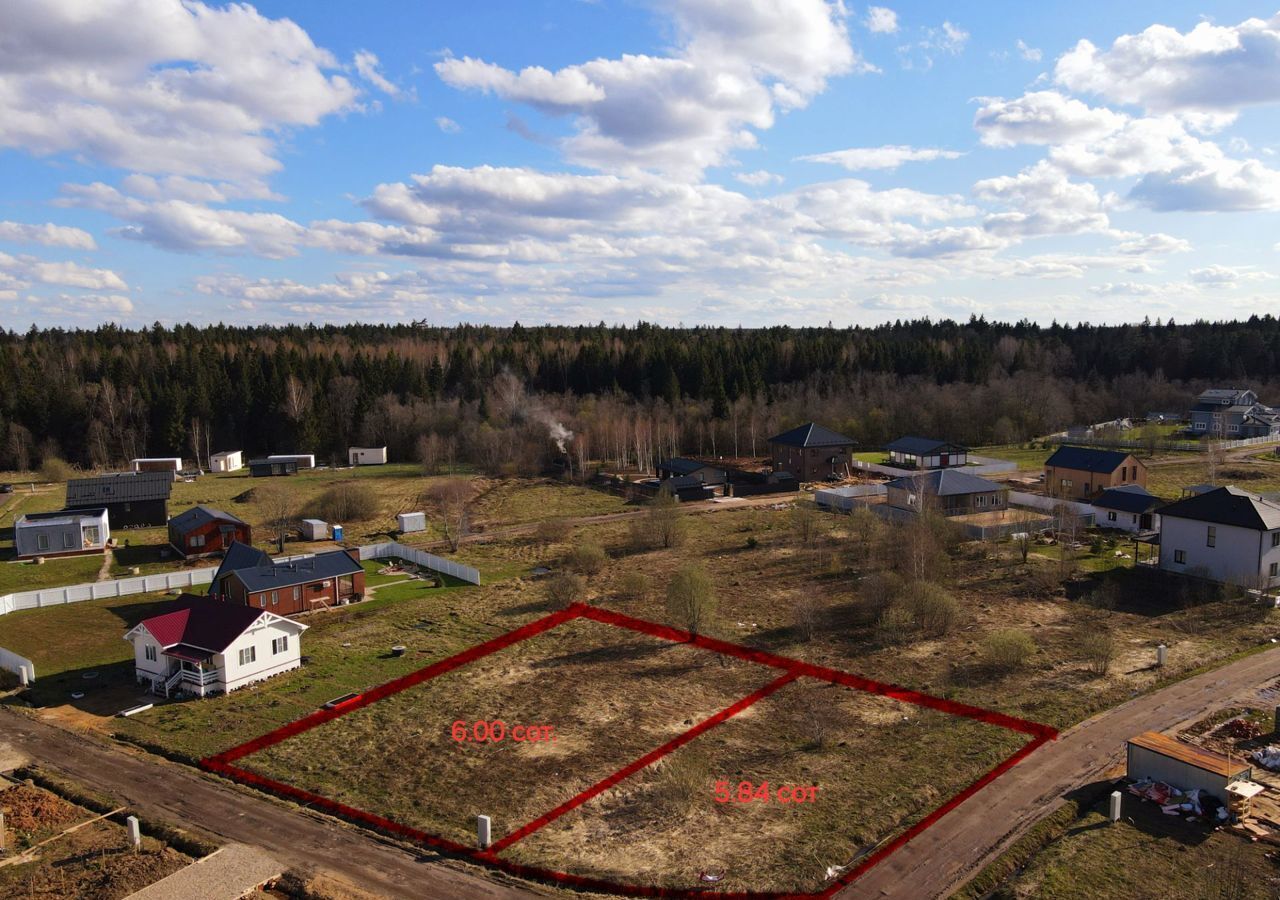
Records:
x=200, y=515
x=811, y=435
x=333, y=564
x=946, y=483
x=201, y=623
x=121, y=487
x=1192, y=756
x=1131, y=498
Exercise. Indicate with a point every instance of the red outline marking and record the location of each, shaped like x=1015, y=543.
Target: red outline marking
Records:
x=794, y=669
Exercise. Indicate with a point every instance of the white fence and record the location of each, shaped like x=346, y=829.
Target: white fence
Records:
x=16, y=664
x=846, y=498
x=985, y=466
x=146, y=584
x=1050, y=504
x=429, y=560
x=1193, y=446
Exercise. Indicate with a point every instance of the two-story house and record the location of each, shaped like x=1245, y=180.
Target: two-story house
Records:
x=1232, y=414
x=1226, y=534
x=1082, y=473
x=811, y=452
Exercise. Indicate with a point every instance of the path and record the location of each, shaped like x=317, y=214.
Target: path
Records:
x=104, y=572
x=191, y=799
x=225, y=874
x=941, y=859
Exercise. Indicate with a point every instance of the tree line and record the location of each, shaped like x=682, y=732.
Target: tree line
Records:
x=507, y=398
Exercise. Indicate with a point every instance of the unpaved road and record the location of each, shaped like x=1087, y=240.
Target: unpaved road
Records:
x=189, y=798
x=971, y=835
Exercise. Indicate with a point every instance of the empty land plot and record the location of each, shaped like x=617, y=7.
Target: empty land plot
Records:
x=878, y=766
x=609, y=696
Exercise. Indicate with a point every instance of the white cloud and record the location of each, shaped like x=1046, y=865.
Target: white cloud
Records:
x=736, y=62
x=881, y=20
x=889, y=156
x=1030, y=54
x=1043, y=202
x=758, y=178
x=1153, y=244
x=1211, y=68
x=1226, y=276
x=20, y=271
x=447, y=125
x=1042, y=117
x=366, y=63
x=49, y=234
x=1228, y=186
x=161, y=86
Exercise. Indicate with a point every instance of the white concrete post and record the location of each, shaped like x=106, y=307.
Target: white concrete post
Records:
x=1115, y=805
x=135, y=833
x=1161, y=653
x=25, y=679
x=483, y=826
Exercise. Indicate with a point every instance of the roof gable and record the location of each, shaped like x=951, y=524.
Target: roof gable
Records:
x=240, y=556
x=200, y=515
x=1227, y=506
x=811, y=434
x=1088, y=459
x=201, y=622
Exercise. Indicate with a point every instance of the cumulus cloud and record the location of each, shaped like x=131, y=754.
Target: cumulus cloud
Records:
x=1153, y=244
x=736, y=63
x=48, y=234
x=758, y=178
x=161, y=86
x=1209, y=69
x=447, y=125
x=881, y=20
x=1043, y=202
x=366, y=63
x=1226, y=276
x=21, y=271
x=889, y=156
x=1042, y=117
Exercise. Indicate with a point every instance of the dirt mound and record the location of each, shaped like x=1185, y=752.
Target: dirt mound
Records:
x=245, y=496
x=29, y=810
x=1243, y=475
x=126, y=872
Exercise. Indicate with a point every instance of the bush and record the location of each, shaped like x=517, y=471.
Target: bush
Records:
x=878, y=591
x=807, y=613
x=348, y=501
x=633, y=585
x=1097, y=648
x=586, y=558
x=934, y=611
x=565, y=589
x=895, y=625
x=752, y=543
x=553, y=531
x=691, y=599
x=54, y=469
x=1008, y=649
x=661, y=526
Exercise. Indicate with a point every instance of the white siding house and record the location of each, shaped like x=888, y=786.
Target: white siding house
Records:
x=1226, y=534
x=202, y=646
x=65, y=533
x=1129, y=508
x=227, y=461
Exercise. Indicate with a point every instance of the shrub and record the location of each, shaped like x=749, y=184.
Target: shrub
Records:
x=807, y=612
x=633, y=585
x=934, y=611
x=807, y=523
x=661, y=527
x=553, y=531
x=55, y=469
x=587, y=558
x=691, y=599
x=1007, y=649
x=895, y=625
x=348, y=501
x=565, y=589
x=880, y=590
x=752, y=543
x=1097, y=648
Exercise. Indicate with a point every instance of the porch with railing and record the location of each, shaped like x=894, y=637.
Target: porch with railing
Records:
x=195, y=681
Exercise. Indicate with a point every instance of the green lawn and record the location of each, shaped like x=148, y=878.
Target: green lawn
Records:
x=1028, y=458
x=54, y=572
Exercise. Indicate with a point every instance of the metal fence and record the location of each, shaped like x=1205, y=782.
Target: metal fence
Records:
x=846, y=498
x=428, y=560
x=1194, y=446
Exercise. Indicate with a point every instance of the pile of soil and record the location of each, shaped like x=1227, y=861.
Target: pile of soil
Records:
x=28, y=810
x=1243, y=475
x=245, y=496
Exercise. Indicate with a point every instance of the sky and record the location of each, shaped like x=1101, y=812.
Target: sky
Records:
x=726, y=162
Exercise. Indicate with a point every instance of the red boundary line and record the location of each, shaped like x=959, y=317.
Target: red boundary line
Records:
x=221, y=763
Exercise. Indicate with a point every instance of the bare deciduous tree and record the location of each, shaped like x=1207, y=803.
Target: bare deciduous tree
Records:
x=277, y=510
x=806, y=612
x=451, y=500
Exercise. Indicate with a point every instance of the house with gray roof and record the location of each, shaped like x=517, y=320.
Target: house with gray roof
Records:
x=1130, y=507
x=926, y=453
x=683, y=467
x=251, y=578
x=131, y=499
x=1233, y=414
x=946, y=491
x=811, y=452
x=1227, y=535
x=205, y=530
x=68, y=532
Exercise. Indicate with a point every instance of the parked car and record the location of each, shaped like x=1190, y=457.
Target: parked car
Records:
x=6, y=488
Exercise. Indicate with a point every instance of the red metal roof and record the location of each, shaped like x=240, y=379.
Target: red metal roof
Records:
x=201, y=623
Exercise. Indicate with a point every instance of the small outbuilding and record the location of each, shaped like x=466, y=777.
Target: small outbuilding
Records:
x=302, y=460
x=315, y=530
x=926, y=453
x=206, y=531
x=1162, y=758
x=266, y=468
x=367, y=456
x=410, y=522
x=226, y=461
x=1130, y=507
x=66, y=533
x=170, y=464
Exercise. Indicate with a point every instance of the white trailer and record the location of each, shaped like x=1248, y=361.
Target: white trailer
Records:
x=367, y=456
x=171, y=464
x=413, y=521
x=226, y=461
x=304, y=460
x=315, y=530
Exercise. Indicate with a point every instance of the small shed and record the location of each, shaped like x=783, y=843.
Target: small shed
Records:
x=315, y=530
x=413, y=521
x=171, y=464
x=266, y=468
x=367, y=456
x=1158, y=756
x=301, y=460
x=226, y=461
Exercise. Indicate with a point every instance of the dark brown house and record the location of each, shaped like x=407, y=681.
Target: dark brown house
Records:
x=205, y=531
x=948, y=492
x=130, y=498
x=249, y=577
x=811, y=452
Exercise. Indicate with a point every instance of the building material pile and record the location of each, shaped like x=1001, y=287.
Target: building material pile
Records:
x=1174, y=801
x=1268, y=757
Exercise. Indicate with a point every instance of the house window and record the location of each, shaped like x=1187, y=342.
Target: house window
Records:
x=1211, y=536
x=982, y=500
x=1124, y=473
x=91, y=535
x=1180, y=557
x=1233, y=428
x=1066, y=482
x=262, y=601
x=1275, y=539
x=197, y=540
x=42, y=542
x=1275, y=569
x=1199, y=426
x=275, y=598
x=297, y=593
x=150, y=652
x=279, y=645
x=248, y=655
x=68, y=540
x=1111, y=517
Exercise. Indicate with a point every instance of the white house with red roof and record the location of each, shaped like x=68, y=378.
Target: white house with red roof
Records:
x=202, y=646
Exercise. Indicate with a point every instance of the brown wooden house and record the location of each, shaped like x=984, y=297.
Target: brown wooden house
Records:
x=811, y=452
x=205, y=531
x=248, y=576
x=1082, y=473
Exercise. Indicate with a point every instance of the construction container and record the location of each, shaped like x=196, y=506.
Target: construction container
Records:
x=337, y=532
x=414, y=521
x=315, y=530
x=366, y=456
x=1158, y=756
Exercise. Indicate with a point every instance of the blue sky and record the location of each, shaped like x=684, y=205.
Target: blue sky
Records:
x=699, y=161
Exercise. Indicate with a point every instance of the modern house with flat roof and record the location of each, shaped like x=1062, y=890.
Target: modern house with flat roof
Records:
x=811, y=452
x=226, y=461
x=926, y=453
x=366, y=456
x=68, y=532
x=1226, y=534
x=266, y=468
x=1081, y=473
x=130, y=498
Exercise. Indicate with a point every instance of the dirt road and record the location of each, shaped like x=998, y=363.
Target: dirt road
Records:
x=189, y=798
x=962, y=842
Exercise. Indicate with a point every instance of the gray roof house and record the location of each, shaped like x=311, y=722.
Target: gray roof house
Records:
x=1232, y=414
x=68, y=532
x=1225, y=534
x=131, y=498
x=947, y=491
